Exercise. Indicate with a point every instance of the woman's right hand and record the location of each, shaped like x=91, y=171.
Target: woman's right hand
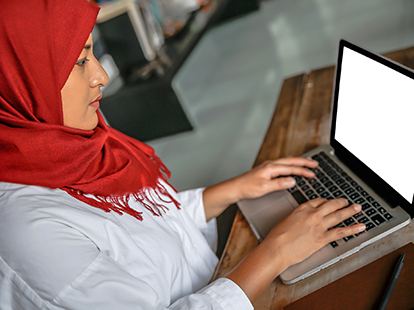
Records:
x=305, y=230
x=299, y=235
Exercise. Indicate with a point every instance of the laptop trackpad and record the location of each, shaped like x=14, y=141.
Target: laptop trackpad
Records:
x=273, y=208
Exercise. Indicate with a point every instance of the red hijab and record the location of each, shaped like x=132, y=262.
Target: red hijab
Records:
x=40, y=41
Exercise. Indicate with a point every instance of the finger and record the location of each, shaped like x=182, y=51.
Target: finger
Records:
x=315, y=203
x=341, y=215
x=282, y=183
x=298, y=161
x=283, y=170
x=342, y=232
x=333, y=205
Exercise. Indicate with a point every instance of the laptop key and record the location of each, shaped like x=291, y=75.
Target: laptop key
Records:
x=370, y=212
x=297, y=177
x=365, y=206
x=360, y=233
x=331, y=172
x=332, y=188
x=346, y=239
x=309, y=192
x=378, y=219
x=358, y=215
x=316, y=157
x=345, y=186
x=360, y=201
x=349, y=191
x=315, y=185
x=328, y=184
x=320, y=190
x=350, y=221
x=323, y=154
x=376, y=204
x=325, y=194
x=299, y=197
x=320, y=175
x=369, y=226
x=323, y=164
x=354, y=196
x=363, y=220
x=294, y=188
x=339, y=181
x=335, y=177
x=324, y=179
x=382, y=210
x=359, y=188
x=388, y=216
x=334, y=244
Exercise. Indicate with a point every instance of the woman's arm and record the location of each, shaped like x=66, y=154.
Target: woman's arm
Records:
x=292, y=240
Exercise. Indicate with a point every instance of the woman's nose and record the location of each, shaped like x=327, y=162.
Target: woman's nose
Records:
x=99, y=77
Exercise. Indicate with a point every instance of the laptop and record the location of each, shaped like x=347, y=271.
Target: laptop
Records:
x=368, y=160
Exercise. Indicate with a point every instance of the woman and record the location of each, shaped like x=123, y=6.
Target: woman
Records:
x=87, y=217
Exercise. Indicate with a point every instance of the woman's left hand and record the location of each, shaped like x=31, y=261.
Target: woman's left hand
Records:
x=263, y=179
x=274, y=175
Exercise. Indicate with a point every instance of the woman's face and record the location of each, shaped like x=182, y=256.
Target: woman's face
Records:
x=82, y=90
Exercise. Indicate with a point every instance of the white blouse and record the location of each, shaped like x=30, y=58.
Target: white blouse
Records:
x=57, y=252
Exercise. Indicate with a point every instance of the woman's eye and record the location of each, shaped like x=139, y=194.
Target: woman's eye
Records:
x=82, y=61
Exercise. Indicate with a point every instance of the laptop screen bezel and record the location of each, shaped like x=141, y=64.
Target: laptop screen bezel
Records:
x=388, y=193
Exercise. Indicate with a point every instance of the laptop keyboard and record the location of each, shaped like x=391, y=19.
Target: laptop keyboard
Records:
x=332, y=182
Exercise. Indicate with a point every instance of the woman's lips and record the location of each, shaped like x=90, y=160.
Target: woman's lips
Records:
x=95, y=103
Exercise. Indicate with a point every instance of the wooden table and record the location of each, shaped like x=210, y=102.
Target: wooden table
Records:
x=301, y=122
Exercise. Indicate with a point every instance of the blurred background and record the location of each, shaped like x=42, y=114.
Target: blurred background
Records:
x=228, y=82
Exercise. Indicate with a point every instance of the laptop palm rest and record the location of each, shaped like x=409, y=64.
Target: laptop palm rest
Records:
x=264, y=212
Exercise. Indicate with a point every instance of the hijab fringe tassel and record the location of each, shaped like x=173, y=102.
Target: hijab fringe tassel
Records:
x=120, y=205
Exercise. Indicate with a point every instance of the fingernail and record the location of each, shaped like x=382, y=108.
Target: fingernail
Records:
x=357, y=207
x=362, y=227
x=290, y=181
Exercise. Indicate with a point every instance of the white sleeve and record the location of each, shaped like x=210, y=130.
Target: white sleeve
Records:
x=220, y=294
x=106, y=285
x=192, y=203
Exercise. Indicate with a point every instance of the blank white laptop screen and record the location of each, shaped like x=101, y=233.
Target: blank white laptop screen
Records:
x=375, y=119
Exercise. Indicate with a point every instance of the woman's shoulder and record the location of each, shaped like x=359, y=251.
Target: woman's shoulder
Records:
x=20, y=195
x=27, y=202
x=41, y=216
